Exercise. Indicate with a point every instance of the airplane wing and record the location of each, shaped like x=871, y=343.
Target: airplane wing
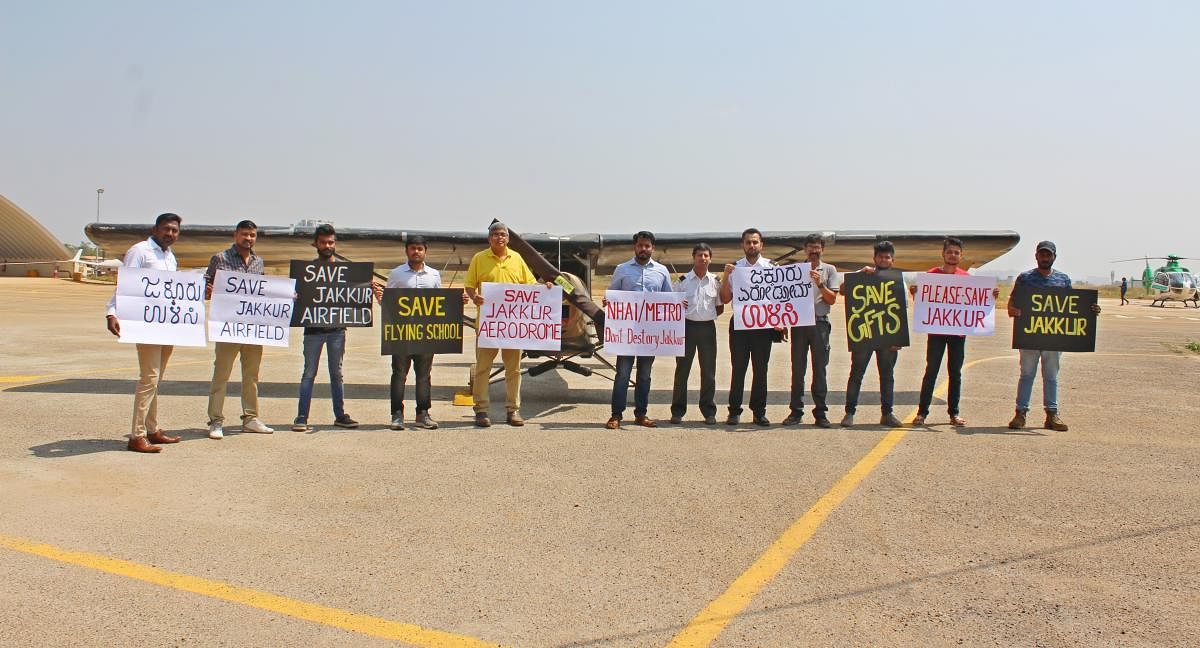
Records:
x=583, y=254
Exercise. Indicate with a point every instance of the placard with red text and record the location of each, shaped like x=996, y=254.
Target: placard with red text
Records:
x=520, y=316
x=954, y=304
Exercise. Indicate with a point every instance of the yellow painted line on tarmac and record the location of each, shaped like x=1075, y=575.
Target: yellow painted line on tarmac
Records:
x=703, y=629
x=17, y=379
x=352, y=621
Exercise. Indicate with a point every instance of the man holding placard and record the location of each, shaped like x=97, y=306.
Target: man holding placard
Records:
x=332, y=338
x=815, y=338
x=748, y=346
x=876, y=324
x=496, y=264
x=239, y=258
x=154, y=253
x=1044, y=276
x=640, y=274
x=702, y=301
x=414, y=274
x=945, y=305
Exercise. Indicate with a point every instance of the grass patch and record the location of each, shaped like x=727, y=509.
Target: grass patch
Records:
x=1193, y=346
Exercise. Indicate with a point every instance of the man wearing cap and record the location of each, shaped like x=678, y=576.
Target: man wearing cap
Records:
x=1043, y=276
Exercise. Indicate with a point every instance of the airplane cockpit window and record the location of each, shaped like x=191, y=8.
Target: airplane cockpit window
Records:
x=1179, y=280
x=1160, y=278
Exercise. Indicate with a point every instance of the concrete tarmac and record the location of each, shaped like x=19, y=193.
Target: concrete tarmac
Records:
x=562, y=533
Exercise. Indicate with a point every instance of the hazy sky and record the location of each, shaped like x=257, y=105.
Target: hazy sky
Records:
x=1074, y=121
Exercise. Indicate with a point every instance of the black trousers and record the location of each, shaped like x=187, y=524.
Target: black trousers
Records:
x=934, y=350
x=747, y=348
x=699, y=337
x=815, y=340
x=885, y=362
x=422, y=365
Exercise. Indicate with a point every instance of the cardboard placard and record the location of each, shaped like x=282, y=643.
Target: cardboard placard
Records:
x=251, y=309
x=640, y=323
x=418, y=321
x=876, y=309
x=772, y=297
x=948, y=304
x=1054, y=319
x=160, y=307
x=520, y=316
x=332, y=295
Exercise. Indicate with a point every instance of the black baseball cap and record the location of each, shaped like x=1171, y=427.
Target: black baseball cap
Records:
x=1048, y=245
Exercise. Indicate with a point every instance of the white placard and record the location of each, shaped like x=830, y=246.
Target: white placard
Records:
x=160, y=307
x=954, y=304
x=251, y=309
x=520, y=316
x=770, y=297
x=640, y=323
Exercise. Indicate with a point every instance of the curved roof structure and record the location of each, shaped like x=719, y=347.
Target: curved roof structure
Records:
x=24, y=239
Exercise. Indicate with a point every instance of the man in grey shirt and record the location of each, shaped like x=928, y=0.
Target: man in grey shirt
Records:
x=815, y=338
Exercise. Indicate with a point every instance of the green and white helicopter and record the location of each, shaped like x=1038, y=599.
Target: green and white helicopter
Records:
x=1171, y=282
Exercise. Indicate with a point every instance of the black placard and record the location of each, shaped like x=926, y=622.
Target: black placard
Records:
x=876, y=309
x=332, y=295
x=1054, y=319
x=421, y=320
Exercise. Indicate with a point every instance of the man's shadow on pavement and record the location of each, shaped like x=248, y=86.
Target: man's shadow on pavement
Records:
x=77, y=447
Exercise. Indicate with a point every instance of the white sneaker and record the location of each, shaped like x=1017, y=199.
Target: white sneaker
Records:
x=255, y=425
x=215, y=431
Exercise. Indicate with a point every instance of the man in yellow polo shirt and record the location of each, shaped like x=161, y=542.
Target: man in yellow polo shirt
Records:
x=497, y=264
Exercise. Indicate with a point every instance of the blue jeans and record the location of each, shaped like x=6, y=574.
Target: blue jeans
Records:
x=335, y=347
x=1029, y=366
x=641, y=393
x=885, y=364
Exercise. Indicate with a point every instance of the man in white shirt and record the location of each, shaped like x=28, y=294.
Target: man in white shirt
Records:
x=702, y=295
x=155, y=253
x=414, y=274
x=748, y=346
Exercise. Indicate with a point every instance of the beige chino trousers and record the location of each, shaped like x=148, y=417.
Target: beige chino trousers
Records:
x=226, y=353
x=152, y=362
x=484, y=358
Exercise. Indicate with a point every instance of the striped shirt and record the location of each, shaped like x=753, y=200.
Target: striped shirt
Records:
x=231, y=260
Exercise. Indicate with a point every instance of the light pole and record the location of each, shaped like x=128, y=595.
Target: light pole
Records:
x=98, y=192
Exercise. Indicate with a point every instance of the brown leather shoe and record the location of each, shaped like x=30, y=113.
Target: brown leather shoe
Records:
x=1055, y=423
x=161, y=437
x=613, y=423
x=515, y=420
x=646, y=421
x=1018, y=421
x=140, y=444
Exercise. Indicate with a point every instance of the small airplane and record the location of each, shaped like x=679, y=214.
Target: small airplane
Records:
x=1171, y=282
x=76, y=261
x=103, y=264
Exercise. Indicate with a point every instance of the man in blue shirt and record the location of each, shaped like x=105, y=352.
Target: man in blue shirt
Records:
x=1043, y=276
x=643, y=274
